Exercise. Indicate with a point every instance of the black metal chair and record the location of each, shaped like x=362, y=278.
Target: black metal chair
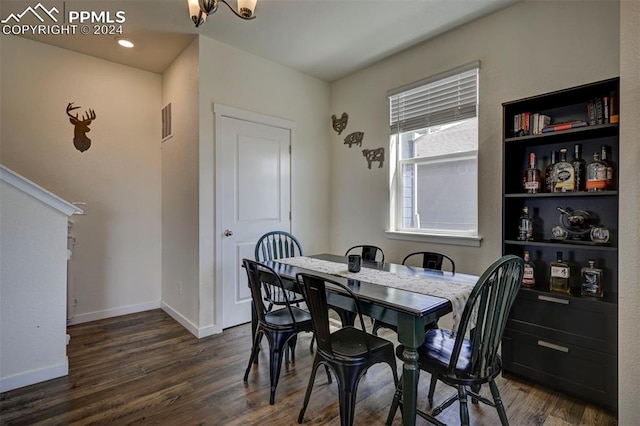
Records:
x=430, y=260
x=369, y=253
x=468, y=363
x=280, y=325
x=349, y=351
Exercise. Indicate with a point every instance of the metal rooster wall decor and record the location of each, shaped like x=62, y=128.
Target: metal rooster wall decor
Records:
x=81, y=127
x=339, y=124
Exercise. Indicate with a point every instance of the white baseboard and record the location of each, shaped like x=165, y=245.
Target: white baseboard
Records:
x=199, y=332
x=34, y=376
x=114, y=312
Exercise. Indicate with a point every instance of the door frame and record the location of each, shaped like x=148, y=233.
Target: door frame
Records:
x=220, y=111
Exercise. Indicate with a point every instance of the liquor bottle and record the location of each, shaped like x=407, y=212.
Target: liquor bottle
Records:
x=591, y=280
x=579, y=166
x=548, y=173
x=532, y=181
x=528, y=279
x=596, y=174
x=525, y=226
x=560, y=274
x=563, y=174
x=610, y=167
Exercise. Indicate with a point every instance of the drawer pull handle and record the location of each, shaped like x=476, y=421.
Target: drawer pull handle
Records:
x=554, y=300
x=552, y=346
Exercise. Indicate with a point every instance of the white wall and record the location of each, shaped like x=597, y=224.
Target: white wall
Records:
x=180, y=202
x=117, y=259
x=209, y=72
x=527, y=49
x=234, y=78
x=629, y=258
x=33, y=280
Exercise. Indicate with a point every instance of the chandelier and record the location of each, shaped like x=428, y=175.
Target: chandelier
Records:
x=200, y=9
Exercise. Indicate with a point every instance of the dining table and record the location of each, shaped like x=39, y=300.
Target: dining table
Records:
x=409, y=297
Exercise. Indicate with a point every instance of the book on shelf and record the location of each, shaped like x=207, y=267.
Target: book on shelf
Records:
x=528, y=123
x=564, y=126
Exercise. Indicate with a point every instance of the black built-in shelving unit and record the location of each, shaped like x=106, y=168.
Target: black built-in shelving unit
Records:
x=566, y=342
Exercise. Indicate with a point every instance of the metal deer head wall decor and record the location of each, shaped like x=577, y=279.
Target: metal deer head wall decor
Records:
x=81, y=127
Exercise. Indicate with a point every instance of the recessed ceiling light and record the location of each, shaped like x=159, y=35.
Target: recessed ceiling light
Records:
x=125, y=43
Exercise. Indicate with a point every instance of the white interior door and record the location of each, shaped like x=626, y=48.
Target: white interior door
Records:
x=255, y=192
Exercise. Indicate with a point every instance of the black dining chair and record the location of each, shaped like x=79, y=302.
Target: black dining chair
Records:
x=429, y=260
x=432, y=260
x=277, y=245
x=279, y=325
x=369, y=253
x=466, y=363
x=348, y=352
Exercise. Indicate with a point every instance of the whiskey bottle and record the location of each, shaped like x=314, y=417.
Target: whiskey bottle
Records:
x=596, y=174
x=560, y=275
x=610, y=167
x=563, y=174
x=525, y=226
x=591, y=280
x=548, y=173
x=579, y=167
x=532, y=180
x=528, y=279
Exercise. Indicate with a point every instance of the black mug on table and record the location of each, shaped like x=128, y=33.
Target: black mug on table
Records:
x=355, y=262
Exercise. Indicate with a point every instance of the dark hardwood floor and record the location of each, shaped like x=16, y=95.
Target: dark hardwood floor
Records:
x=147, y=369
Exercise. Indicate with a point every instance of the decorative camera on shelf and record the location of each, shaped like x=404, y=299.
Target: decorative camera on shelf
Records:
x=579, y=225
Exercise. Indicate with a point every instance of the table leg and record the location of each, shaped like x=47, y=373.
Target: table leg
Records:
x=411, y=335
x=410, y=376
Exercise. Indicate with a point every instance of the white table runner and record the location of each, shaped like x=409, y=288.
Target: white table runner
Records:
x=456, y=292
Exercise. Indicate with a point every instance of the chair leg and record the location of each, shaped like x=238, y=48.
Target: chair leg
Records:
x=254, y=353
x=347, y=392
x=291, y=346
x=432, y=388
x=397, y=398
x=279, y=345
x=464, y=410
x=314, y=369
x=498, y=401
x=257, y=346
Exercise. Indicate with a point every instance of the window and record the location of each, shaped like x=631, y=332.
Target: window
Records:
x=434, y=155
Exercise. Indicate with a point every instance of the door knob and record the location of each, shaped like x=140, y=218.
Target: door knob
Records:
x=228, y=233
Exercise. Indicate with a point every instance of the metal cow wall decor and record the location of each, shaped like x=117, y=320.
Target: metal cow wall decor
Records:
x=81, y=127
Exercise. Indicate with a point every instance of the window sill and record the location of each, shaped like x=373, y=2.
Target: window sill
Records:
x=456, y=240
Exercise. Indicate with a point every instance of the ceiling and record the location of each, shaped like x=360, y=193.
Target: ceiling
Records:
x=327, y=39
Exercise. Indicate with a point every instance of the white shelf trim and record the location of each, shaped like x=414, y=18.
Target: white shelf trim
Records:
x=37, y=192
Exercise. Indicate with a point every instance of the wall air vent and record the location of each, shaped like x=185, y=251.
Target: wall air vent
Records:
x=166, y=122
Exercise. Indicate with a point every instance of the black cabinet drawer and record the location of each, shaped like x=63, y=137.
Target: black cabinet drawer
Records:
x=584, y=373
x=585, y=322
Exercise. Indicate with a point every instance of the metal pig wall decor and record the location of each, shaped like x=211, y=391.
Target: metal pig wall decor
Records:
x=354, y=138
x=81, y=127
x=339, y=124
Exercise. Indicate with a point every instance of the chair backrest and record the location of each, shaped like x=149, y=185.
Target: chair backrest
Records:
x=432, y=260
x=277, y=245
x=316, y=298
x=256, y=274
x=368, y=252
x=490, y=302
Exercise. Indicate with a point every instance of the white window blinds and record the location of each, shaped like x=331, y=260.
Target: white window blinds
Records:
x=440, y=99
